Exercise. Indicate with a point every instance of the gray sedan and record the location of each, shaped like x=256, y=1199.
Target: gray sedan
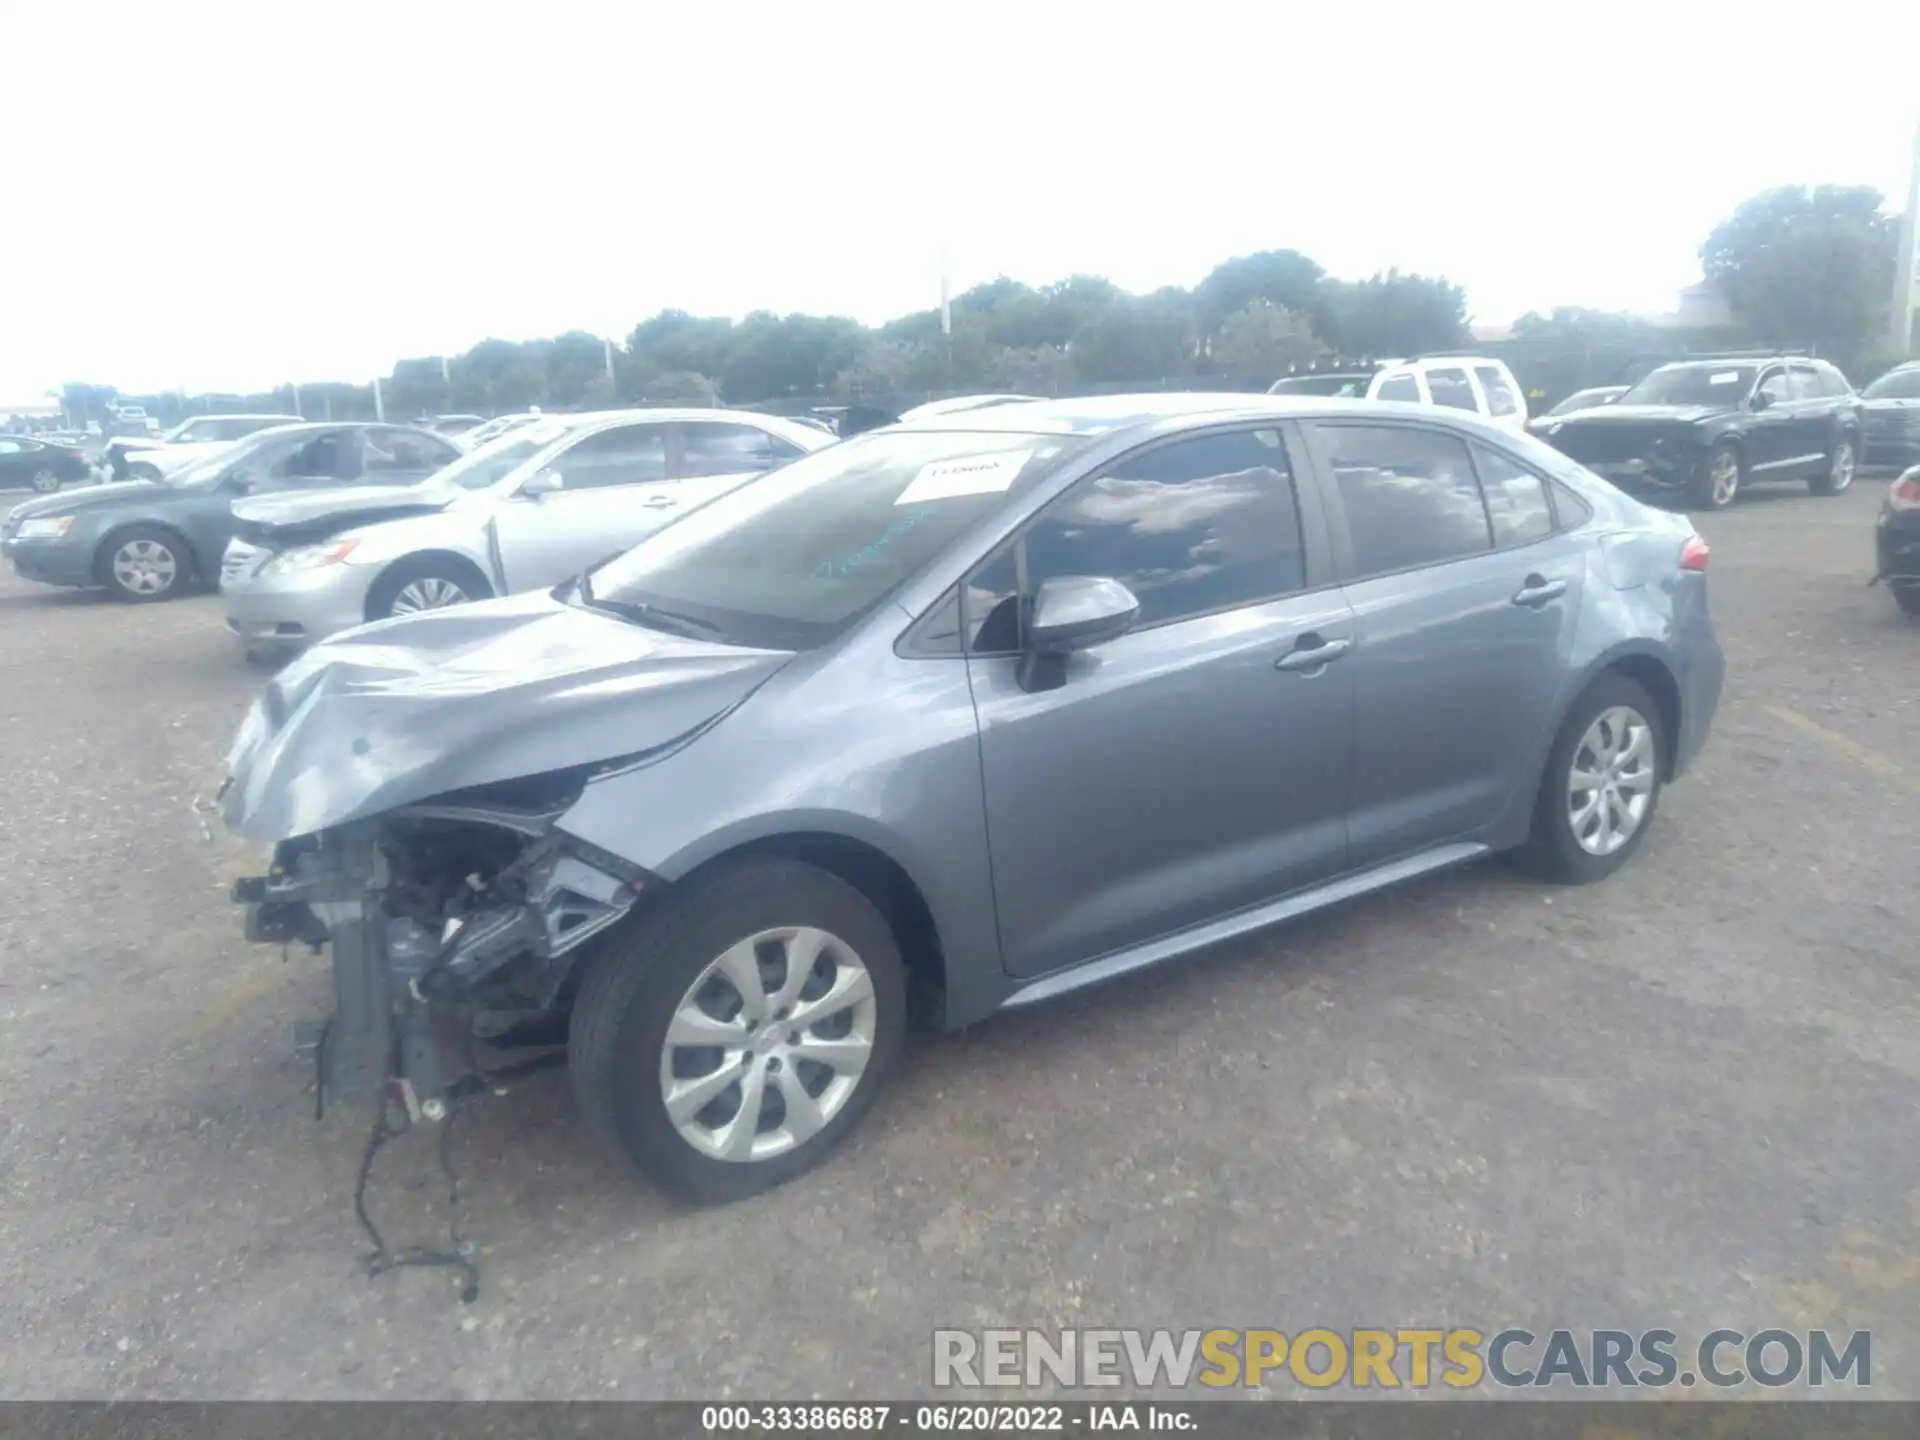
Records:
x=152, y=540
x=961, y=715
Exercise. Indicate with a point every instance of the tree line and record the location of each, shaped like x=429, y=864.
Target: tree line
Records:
x=1797, y=266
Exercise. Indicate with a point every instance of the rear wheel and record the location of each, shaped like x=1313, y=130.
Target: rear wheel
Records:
x=1717, y=482
x=145, y=564
x=45, y=481
x=727, y=1042
x=1601, y=786
x=429, y=584
x=1838, y=475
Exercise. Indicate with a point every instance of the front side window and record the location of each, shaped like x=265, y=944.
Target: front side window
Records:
x=1452, y=389
x=1399, y=387
x=1191, y=527
x=1516, y=499
x=797, y=557
x=1500, y=397
x=1775, y=386
x=1409, y=494
x=332, y=456
x=625, y=455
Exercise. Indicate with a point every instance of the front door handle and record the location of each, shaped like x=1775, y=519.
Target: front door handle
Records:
x=1536, y=591
x=659, y=502
x=1310, y=652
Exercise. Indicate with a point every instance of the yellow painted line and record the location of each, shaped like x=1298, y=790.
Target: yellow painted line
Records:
x=1867, y=758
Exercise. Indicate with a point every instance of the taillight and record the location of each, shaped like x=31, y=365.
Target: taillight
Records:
x=1905, y=494
x=1693, y=555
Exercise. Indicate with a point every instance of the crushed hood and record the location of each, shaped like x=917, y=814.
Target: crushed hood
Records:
x=421, y=705
x=280, y=519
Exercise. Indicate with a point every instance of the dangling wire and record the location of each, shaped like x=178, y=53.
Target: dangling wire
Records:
x=382, y=1260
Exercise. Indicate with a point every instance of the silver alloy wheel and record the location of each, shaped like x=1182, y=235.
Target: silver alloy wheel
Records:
x=45, y=482
x=145, y=567
x=1725, y=474
x=768, y=1044
x=1611, y=781
x=429, y=592
x=1840, y=475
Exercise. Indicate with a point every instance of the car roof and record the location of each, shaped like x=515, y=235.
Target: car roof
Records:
x=225, y=415
x=1108, y=414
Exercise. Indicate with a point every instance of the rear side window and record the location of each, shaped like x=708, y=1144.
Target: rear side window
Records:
x=718, y=449
x=1192, y=527
x=1500, y=397
x=1409, y=494
x=1452, y=389
x=626, y=455
x=1516, y=499
x=402, y=450
x=1399, y=387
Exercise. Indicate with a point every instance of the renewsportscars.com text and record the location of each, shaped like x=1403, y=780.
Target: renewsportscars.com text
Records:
x=1401, y=1358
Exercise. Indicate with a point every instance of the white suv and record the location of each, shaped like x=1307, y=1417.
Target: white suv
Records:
x=1459, y=382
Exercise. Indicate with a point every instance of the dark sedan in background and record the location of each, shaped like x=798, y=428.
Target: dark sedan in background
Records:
x=40, y=465
x=153, y=540
x=1707, y=428
x=1890, y=424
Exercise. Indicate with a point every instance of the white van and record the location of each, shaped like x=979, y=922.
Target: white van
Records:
x=1460, y=382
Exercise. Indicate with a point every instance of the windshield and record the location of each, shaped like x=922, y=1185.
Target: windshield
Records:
x=490, y=463
x=1895, y=385
x=1693, y=385
x=1584, y=400
x=790, y=561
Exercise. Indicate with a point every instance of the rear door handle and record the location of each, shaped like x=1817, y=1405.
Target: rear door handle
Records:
x=1310, y=652
x=659, y=502
x=1536, y=591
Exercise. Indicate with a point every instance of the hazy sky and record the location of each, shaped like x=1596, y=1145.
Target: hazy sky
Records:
x=232, y=196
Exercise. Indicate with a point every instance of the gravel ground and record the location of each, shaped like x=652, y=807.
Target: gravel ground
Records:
x=1686, y=1097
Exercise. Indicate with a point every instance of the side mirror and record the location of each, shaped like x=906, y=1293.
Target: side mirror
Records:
x=1761, y=399
x=1074, y=612
x=545, y=483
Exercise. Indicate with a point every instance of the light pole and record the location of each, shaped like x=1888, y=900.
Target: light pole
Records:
x=1900, y=318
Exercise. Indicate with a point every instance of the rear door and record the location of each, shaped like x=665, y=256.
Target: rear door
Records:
x=1812, y=404
x=615, y=487
x=1464, y=595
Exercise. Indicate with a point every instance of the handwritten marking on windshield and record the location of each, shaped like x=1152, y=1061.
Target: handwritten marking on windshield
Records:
x=868, y=553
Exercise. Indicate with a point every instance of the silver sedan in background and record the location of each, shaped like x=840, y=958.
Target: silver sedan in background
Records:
x=535, y=506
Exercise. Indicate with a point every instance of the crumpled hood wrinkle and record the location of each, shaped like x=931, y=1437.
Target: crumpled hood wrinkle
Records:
x=409, y=708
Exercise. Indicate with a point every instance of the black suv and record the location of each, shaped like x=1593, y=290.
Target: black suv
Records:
x=1707, y=428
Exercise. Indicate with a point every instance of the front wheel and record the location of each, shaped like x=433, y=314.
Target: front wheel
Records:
x=1716, y=483
x=144, y=564
x=410, y=588
x=1601, y=786
x=1838, y=475
x=45, y=481
x=727, y=1042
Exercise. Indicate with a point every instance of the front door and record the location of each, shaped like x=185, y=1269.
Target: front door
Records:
x=615, y=488
x=1464, y=594
x=1772, y=431
x=1178, y=773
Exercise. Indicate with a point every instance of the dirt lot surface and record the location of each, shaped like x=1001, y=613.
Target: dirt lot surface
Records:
x=1688, y=1097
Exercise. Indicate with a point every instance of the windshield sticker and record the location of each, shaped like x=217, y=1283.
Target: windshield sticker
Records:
x=1725, y=377
x=972, y=475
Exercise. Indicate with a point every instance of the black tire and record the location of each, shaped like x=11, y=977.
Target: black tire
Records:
x=1837, y=477
x=1703, y=491
x=1907, y=597
x=164, y=556
x=1552, y=850
x=428, y=571
x=618, y=1032
x=45, y=481
x=149, y=473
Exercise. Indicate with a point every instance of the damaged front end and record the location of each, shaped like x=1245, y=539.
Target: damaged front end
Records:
x=454, y=928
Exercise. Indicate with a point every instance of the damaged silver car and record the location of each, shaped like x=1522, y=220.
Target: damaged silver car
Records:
x=952, y=716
